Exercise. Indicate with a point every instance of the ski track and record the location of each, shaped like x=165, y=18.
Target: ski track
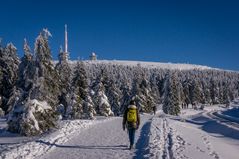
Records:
x=165, y=142
x=167, y=138
x=205, y=148
x=169, y=141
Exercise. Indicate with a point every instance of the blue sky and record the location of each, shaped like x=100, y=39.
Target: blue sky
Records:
x=202, y=32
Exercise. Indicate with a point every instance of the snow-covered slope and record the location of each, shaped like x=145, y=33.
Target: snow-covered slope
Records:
x=149, y=64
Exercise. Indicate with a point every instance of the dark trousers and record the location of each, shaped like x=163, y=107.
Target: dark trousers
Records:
x=131, y=132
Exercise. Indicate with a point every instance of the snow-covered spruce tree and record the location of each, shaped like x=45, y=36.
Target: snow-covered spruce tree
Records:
x=186, y=86
x=214, y=91
x=160, y=83
x=225, y=98
x=113, y=94
x=81, y=105
x=232, y=88
x=65, y=74
x=153, y=82
x=148, y=95
x=181, y=93
x=101, y=101
x=206, y=92
x=18, y=123
x=47, y=84
x=126, y=96
x=26, y=71
x=9, y=62
x=195, y=92
x=171, y=94
x=220, y=92
x=135, y=92
x=35, y=112
x=185, y=99
x=141, y=93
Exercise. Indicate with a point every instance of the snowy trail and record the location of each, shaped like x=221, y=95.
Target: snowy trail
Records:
x=202, y=136
x=189, y=142
x=194, y=135
x=104, y=140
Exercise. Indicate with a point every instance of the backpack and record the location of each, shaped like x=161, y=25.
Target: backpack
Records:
x=132, y=115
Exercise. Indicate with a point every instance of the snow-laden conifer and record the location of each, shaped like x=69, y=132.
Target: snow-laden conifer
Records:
x=100, y=99
x=34, y=111
x=9, y=63
x=81, y=105
x=171, y=94
x=65, y=74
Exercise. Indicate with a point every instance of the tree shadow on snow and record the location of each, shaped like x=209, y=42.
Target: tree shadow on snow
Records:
x=212, y=126
x=94, y=147
x=217, y=128
x=232, y=112
x=143, y=142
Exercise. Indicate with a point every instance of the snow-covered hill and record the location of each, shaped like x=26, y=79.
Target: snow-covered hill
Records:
x=159, y=65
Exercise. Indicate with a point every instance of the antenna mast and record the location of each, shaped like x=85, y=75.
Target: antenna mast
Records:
x=66, y=40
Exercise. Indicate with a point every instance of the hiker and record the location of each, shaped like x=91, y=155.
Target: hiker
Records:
x=131, y=120
x=154, y=109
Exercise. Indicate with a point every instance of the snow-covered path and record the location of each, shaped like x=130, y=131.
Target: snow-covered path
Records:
x=202, y=136
x=104, y=140
x=195, y=134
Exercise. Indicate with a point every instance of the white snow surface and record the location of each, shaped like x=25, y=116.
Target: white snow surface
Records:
x=203, y=136
x=45, y=144
x=40, y=105
x=195, y=134
x=149, y=64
